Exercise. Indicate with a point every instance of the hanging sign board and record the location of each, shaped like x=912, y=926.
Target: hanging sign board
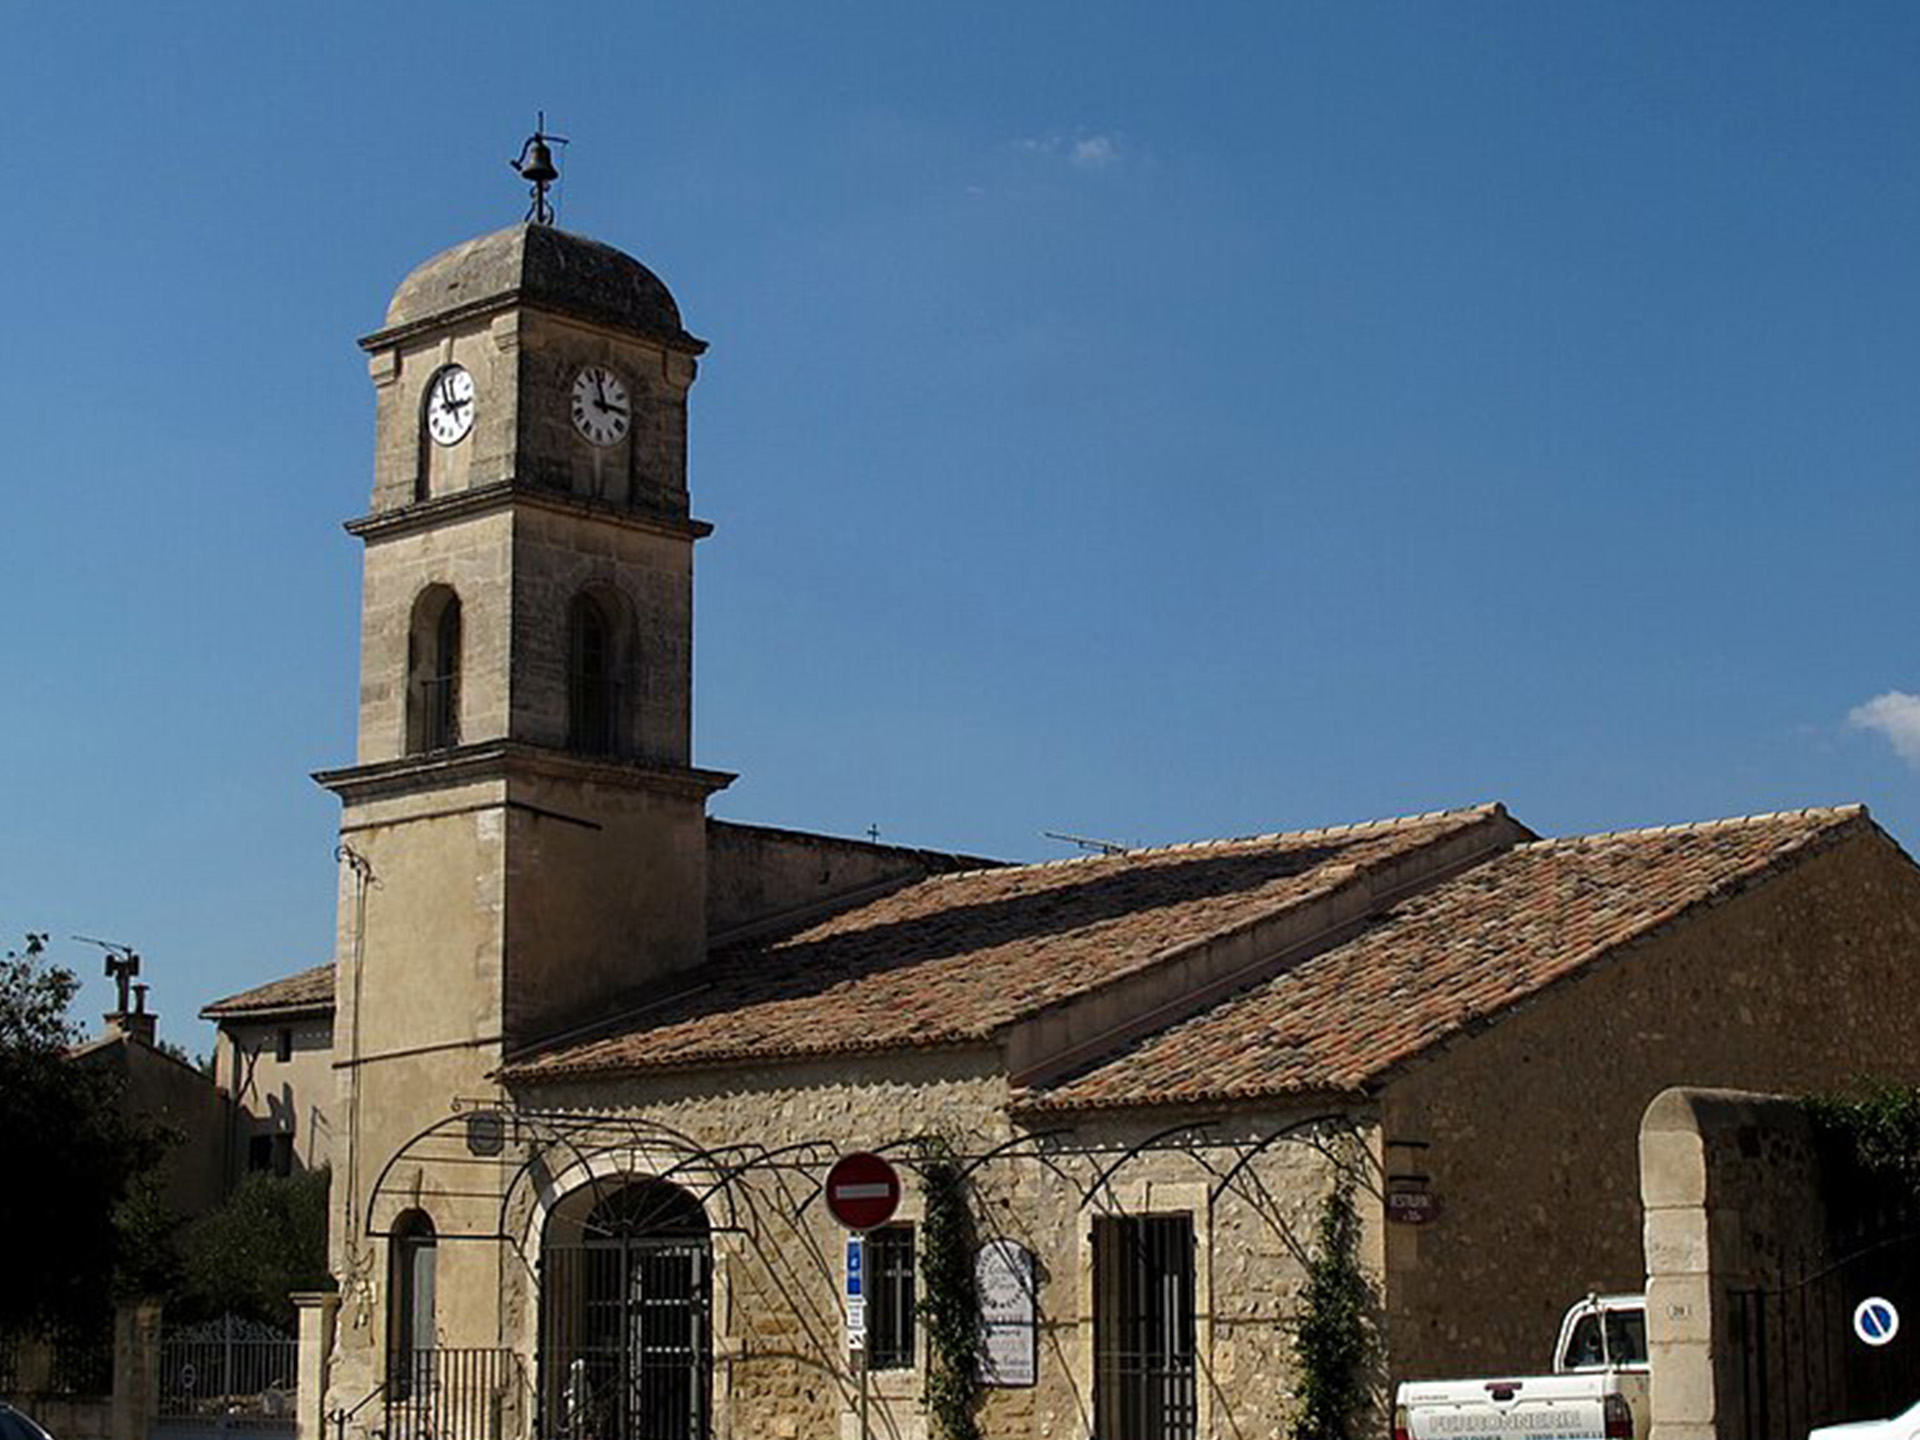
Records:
x=1003, y=1274
x=862, y=1190
x=1413, y=1207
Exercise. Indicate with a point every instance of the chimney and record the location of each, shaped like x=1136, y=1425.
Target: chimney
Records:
x=135, y=1024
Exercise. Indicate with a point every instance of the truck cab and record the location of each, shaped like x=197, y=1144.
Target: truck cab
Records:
x=1596, y=1391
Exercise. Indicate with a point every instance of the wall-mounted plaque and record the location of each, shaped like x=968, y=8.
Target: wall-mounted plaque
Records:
x=1009, y=1349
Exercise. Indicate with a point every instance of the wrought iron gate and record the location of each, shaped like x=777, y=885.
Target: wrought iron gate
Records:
x=625, y=1349
x=228, y=1374
x=1798, y=1362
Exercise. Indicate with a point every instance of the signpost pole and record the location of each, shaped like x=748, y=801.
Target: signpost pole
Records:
x=862, y=1191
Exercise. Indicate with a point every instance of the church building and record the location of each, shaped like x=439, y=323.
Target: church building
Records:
x=594, y=1051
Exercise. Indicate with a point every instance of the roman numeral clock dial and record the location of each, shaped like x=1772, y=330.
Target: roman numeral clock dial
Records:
x=601, y=410
x=450, y=405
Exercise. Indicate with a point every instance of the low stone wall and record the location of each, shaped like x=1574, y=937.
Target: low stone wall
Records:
x=49, y=1380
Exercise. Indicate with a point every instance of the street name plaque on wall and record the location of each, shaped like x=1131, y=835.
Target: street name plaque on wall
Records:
x=1009, y=1349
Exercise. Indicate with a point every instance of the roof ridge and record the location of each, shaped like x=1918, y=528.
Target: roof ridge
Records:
x=1354, y=830
x=1830, y=813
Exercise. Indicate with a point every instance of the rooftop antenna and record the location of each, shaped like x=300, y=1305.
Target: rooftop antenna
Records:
x=536, y=166
x=123, y=963
x=1090, y=846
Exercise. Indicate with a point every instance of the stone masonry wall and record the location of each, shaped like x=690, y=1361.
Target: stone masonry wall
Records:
x=780, y=1367
x=1529, y=1129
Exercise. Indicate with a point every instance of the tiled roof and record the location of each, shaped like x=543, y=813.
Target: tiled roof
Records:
x=309, y=990
x=1446, y=959
x=955, y=958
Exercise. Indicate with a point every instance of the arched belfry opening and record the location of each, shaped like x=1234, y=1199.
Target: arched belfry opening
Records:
x=433, y=671
x=626, y=1322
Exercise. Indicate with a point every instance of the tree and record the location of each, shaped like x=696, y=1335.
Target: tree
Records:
x=71, y=1153
x=267, y=1240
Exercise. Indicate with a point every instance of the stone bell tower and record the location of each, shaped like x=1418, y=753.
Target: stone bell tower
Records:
x=523, y=835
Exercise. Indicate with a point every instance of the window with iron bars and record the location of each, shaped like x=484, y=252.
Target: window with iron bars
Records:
x=1143, y=1328
x=890, y=1298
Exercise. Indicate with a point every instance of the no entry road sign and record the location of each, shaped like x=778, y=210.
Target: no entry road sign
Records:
x=862, y=1190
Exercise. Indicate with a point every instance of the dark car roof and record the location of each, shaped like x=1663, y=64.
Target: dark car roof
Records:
x=16, y=1426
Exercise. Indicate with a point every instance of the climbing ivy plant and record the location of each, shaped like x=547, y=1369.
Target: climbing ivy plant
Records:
x=1332, y=1339
x=949, y=1301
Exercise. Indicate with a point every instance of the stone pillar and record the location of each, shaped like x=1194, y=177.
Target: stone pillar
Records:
x=1730, y=1182
x=136, y=1370
x=317, y=1308
x=1673, y=1190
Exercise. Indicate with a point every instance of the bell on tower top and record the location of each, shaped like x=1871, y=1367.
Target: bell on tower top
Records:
x=536, y=166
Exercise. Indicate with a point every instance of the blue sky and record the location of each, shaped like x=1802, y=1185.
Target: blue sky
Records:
x=1153, y=422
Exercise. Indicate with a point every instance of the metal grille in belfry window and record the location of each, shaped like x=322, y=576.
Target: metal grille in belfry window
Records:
x=440, y=690
x=890, y=1297
x=1143, y=1328
x=592, y=695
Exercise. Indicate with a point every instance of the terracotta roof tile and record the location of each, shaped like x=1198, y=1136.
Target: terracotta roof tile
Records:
x=1446, y=959
x=309, y=990
x=955, y=958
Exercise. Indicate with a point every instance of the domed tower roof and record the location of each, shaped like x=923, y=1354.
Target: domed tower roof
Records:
x=538, y=265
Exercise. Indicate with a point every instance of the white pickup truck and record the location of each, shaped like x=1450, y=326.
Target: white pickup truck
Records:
x=1597, y=1391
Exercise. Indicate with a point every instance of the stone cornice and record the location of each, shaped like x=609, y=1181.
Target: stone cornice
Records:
x=483, y=500
x=510, y=760
x=683, y=343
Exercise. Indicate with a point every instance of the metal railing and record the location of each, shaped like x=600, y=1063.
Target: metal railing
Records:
x=233, y=1371
x=81, y=1361
x=453, y=1394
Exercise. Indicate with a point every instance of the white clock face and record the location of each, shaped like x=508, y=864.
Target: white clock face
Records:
x=601, y=411
x=450, y=405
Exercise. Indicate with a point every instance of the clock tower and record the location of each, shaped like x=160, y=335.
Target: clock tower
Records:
x=523, y=833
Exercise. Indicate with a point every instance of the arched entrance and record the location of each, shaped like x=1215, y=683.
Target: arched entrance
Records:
x=626, y=1315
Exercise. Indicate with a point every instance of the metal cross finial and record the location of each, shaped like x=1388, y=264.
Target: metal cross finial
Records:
x=536, y=165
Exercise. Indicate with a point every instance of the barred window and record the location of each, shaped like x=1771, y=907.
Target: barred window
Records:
x=890, y=1298
x=1143, y=1328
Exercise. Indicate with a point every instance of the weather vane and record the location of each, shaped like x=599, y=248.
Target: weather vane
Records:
x=536, y=165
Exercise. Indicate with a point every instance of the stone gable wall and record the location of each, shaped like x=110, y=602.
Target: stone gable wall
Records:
x=1529, y=1129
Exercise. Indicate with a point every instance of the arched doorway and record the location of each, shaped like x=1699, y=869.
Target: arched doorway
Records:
x=626, y=1348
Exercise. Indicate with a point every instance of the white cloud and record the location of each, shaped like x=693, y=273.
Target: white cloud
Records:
x=1895, y=715
x=1095, y=152
x=1082, y=151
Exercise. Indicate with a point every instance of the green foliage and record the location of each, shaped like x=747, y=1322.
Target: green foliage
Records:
x=72, y=1153
x=949, y=1300
x=1875, y=1126
x=268, y=1240
x=147, y=1238
x=1332, y=1340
